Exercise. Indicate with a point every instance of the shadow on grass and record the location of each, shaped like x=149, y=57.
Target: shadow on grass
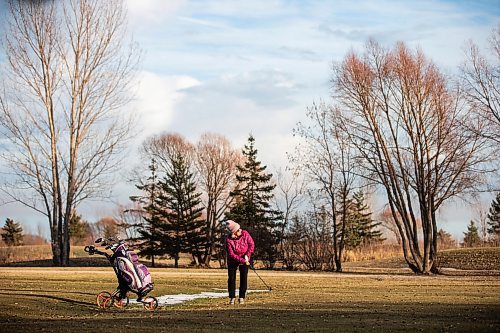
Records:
x=46, y=291
x=333, y=317
x=68, y=300
x=74, y=262
x=95, y=261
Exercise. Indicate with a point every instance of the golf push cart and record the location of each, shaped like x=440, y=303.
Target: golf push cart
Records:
x=132, y=276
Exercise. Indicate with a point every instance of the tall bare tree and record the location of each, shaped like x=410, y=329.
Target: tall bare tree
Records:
x=326, y=158
x=408, y=127
x=66, y=79
x=216, y=162
x=289, y=195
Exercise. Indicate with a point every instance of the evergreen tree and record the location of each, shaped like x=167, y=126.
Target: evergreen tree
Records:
x=252, y=207
x=79, y=230
x=147, y=242
x=360, y=229
x=494, y=217
x=181, y=228
x=218, y=239
x=12, y=233
x=471, y=237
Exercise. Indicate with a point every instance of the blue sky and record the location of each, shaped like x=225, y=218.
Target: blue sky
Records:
x=240, y=67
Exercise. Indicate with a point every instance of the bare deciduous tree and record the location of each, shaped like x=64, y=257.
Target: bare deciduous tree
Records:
x=481, y=83
x=481, y=219
x=67, y=76
x=164, y=149
x=310, y=243
x=216, y=162
x=290, y=188
x=386, y=218
x=326, y=158
x=408, y=127
x=129, y=219
x=108, y=227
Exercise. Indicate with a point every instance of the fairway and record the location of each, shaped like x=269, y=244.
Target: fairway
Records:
x=62, y=300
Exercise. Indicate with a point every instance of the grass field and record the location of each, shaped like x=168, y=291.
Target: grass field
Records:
x=386, y=300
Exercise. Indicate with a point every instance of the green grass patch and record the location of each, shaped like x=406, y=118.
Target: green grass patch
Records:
x=62, y=300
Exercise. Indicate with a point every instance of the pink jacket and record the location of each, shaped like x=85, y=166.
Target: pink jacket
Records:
x=237, y=248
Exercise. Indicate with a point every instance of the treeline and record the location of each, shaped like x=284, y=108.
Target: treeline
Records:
x=188, y=190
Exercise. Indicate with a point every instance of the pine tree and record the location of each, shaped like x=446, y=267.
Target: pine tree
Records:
x=12, y=233
x=361, y=229
x=494, y=217
x=471, y=237
x=79, y=230
x=181, y=228
x=252, y=208
x=147, y=242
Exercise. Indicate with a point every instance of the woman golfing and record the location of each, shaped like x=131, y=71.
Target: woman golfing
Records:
x=239, y=248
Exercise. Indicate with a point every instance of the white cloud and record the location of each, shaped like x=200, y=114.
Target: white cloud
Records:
x=264, y=87
x=267, y=104
x=156, y=98
x=148, y=12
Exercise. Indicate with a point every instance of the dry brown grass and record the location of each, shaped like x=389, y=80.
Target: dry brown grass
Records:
x=27, y=253
x=373, y=252
x=63, y=300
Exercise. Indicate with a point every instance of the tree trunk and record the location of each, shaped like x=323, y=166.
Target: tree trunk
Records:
x=207, y=260
x=56, y=253
x=338, y=265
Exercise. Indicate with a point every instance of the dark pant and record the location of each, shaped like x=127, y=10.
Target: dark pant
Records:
x=231, y=280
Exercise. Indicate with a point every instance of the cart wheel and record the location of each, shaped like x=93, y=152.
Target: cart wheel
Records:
x=104, y=300
x=121, y=302
x=150, y=303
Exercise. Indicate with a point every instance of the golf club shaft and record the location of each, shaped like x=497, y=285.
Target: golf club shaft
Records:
x=268, y=287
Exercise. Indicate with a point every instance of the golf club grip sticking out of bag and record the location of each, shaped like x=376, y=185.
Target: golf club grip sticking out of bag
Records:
x=90, y=249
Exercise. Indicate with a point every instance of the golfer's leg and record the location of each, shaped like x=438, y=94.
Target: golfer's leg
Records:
x=231, y=281
x=243, y=280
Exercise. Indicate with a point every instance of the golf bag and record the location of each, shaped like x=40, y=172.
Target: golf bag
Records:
x=132, y=275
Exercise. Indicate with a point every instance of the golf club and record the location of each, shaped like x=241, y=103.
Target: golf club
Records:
x=250, y=263
x=268, y=287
